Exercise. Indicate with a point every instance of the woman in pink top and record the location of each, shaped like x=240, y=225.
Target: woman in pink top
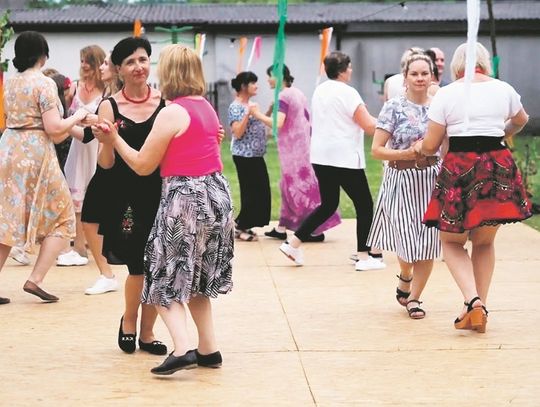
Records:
x=190, y=248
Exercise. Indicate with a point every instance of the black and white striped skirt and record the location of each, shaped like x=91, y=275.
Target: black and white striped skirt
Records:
x=401, y=204
x=191, y=245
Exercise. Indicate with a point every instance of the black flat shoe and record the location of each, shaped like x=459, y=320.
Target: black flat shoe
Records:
x=4, y=300
x=174, y=363
x=154, y=347
x=126, y=342
x=315, y=238
x=275, y=234
x=213, y=360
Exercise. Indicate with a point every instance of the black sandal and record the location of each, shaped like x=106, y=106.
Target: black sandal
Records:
x=415, y=310
x=400, y=294
x=277, y=235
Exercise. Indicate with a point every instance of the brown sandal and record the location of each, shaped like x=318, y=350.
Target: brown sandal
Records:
x=475, y=318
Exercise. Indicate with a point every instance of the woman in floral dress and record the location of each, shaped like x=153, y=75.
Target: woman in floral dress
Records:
x=35, y=203
x=299, y=187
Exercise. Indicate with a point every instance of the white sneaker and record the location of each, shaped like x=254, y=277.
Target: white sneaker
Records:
x=369, y=264
x=71, y=258
x=295, y=255
x=19, y=255
x=102, y=285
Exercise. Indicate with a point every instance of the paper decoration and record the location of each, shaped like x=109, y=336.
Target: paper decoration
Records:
x=241, y=52
x=326, y=37
x=200, y=42
x=473, y=22
x=255, y=51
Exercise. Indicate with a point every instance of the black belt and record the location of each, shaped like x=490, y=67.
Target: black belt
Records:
x=478, y=144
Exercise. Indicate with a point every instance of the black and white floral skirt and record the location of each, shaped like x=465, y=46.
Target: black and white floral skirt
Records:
x=191, y=245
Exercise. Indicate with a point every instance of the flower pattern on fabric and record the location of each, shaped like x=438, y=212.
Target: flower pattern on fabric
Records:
x=477, y=189
x=299, y=186
x=404, y=120
x=34, y=197
x=253, y=143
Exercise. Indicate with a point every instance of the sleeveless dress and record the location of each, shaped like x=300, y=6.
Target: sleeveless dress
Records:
x=82, y=158
x=34, y=197
x=133, y=199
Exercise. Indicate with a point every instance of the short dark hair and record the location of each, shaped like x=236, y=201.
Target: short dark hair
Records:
x=29, y=47
x=243, y=78
x=288, y=79
x=335, y=63
x=124, y=48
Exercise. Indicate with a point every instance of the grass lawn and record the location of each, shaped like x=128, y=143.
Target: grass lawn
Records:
x=374, y=173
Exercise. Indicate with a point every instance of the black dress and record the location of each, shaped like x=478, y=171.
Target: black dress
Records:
x=133, y=199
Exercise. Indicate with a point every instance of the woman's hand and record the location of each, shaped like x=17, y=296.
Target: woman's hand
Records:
x=80, y=114
x=105, y=132
x=408, y=154
x=417, y=146
x=89, y=120
x=220, y=134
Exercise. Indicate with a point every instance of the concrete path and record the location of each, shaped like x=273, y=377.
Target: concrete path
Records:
x=318, y=335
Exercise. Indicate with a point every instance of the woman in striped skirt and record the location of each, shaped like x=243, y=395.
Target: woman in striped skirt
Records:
x=407, y=185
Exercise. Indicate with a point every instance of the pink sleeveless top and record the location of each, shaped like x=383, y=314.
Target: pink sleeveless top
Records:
x=196, y=152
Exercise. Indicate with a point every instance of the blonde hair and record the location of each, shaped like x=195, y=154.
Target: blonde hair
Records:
x=94, y=56
x=483, y=60
x=180, y=72
x=417, y=57
x=407, y=54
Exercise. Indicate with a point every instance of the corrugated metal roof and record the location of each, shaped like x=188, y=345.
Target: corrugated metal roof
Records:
x=224, y=14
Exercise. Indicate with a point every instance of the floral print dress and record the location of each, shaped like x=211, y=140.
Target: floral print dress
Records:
x=35, y=202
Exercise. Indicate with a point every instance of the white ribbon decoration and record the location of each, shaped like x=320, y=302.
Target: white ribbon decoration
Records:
x=473, y=22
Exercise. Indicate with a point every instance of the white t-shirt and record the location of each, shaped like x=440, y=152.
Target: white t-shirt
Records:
x=395, y=86
x=490, y=104
x=336, y=140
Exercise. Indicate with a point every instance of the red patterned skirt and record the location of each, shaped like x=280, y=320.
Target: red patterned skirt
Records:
x=479, y=185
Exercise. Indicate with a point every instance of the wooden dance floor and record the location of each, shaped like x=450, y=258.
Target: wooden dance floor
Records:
x=319, y=335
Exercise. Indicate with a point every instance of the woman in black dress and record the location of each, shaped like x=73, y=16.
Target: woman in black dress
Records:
x=133, y=202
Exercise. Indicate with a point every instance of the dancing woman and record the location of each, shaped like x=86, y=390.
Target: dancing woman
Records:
x=479, y=186
x=35, y=200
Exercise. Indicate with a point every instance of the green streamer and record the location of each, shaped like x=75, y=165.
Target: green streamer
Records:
x=496, y=61
x=277, y=65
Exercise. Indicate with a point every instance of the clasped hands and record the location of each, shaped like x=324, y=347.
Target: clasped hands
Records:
x=414, y=152
x=105, y=131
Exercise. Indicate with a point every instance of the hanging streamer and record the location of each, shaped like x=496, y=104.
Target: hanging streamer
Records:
x=200, y=42
x=326, y=37
x=279, y=59
x=473, y=22
x=241, y=52
x=255, y=51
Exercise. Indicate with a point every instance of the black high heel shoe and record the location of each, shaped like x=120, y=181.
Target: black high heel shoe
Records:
x=154, y=347
x=126, y=342
x=174, y=363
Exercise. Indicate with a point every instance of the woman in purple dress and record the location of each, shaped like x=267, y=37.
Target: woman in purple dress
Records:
x=299, y=187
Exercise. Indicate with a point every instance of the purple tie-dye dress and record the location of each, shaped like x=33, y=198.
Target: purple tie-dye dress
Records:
x=299, y=187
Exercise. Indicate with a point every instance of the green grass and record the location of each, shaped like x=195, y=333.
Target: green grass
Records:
x=374, y=174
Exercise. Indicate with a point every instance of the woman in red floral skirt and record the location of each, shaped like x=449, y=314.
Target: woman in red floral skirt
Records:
x=479, y=186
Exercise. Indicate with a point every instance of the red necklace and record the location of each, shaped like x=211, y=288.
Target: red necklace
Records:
x=137, y=101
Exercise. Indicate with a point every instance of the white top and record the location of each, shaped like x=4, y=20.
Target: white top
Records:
x=336, y=140
x=490, y=104
x=395, y=86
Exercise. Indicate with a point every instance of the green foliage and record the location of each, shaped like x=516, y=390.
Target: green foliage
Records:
x=6, y=32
